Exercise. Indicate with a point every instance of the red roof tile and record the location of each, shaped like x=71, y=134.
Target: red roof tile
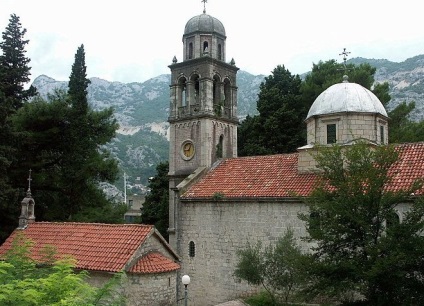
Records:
x=278, y=176
x=409, y=167
x=255, y=176
x=95, y=246
x=154, y=263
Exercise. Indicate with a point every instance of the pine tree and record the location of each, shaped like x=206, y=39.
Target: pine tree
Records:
x=14, y=69
x=279, y=126
x=155, y=208
x=14, y=75
x=67, y=171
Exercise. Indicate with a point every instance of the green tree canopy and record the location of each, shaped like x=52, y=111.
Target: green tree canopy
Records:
x=14, y=75
x=14, y=69
x=278, y=268
x=279, y=126
x=68, y=170
x=361, y=245
x=155, y=209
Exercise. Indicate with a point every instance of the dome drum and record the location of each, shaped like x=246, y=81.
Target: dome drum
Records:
x=204, y=35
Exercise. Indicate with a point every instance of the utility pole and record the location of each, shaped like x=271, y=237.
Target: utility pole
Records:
x=125, y=188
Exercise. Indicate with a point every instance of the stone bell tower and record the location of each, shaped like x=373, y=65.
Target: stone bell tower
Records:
x=203, y=106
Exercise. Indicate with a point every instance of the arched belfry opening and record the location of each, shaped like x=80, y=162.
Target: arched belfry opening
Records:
x=194, y=89
x=205, y=47
x=182, y=94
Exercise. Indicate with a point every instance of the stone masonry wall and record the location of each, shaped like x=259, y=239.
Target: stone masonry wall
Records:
x=218, y=230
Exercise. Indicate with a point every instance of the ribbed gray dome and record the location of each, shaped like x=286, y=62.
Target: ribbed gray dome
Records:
x=346, y=97
x=204, y=23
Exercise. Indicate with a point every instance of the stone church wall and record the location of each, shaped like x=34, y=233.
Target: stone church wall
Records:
x=142, y=289
x=218, y=230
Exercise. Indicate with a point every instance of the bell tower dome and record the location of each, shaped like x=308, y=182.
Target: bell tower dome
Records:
x=203, y=104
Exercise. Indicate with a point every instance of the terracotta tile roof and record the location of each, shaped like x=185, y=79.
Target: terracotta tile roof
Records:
x=255, y=176
x=409, y=167
x=154, y=263
x=95, y=246
x=277, y=175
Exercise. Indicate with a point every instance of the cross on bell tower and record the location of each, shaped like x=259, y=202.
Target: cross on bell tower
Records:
x=27, y=207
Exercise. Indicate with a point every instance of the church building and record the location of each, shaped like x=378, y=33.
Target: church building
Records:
x=219, y=202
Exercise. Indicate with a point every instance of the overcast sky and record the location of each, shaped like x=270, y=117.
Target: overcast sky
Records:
x=134, y=40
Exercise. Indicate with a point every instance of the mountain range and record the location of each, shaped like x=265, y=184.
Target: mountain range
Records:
x=141, y=110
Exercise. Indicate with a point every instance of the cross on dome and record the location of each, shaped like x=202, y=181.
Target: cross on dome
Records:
x=345, y=55
x=204, y=5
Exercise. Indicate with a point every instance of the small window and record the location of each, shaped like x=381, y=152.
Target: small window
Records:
x=331, y=133
x=381, y=134
x=190, y=50
x=219, y=52
x=219, y=147
x=130, y=203
x=191, y=249
x=205, y=46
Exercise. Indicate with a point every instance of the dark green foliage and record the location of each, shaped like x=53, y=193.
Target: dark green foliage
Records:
x=62, y=142
x=355, y=251
x=279, y=126
x=402, y=128
x=14, y=74
x=155, y=209
x=326, y=74
x=14, y=69
x=278, y=268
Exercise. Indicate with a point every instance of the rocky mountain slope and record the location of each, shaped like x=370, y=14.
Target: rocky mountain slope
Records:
x=142, y=111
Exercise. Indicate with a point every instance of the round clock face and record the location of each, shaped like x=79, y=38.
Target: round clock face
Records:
x=188, y=149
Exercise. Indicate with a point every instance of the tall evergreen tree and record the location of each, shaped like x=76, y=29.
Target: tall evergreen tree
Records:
x=14, y=75
x=14, y=69
x=156, y=207
x=68, y=171
x=279, y=126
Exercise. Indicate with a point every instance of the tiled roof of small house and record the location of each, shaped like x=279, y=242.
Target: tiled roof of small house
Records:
x=278, y=176
x=154, y=263
x=95, y=246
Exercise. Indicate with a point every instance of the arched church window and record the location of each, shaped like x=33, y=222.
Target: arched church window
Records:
x=331, y=133
x=219, y=147
x=190, y=50
x=219, y=52
x=191, y=249
x=205, y=46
